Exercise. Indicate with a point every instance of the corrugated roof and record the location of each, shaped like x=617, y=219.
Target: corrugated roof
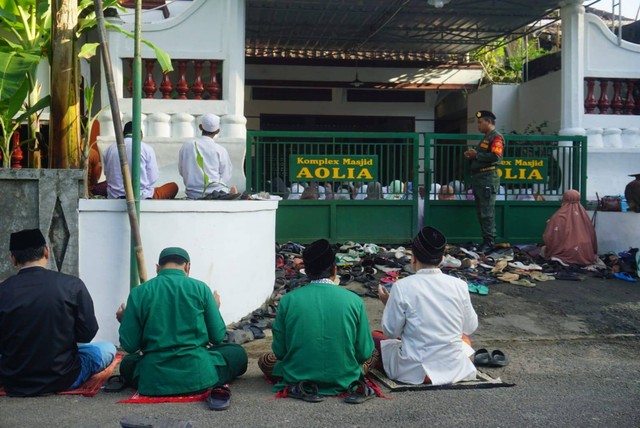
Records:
x=383, y=29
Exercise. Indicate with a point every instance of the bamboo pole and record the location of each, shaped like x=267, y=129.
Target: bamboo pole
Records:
x=117, y=123
x=136, y=140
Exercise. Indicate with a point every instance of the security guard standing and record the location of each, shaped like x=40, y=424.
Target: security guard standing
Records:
x=484, y=161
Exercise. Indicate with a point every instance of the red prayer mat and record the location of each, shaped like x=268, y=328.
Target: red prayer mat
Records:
x=368, y=380
x=93, y=384
x=136, y=398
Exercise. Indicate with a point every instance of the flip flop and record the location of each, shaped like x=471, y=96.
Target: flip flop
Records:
x=498, y=359
x=523, y=282
x=257, y=331
x=625, y=276
x=114, y=383
x=359, y=392
x=481, y=357
x=345, y=279
x=219, y=398
x=306, y=391
x=483, y=290
x=140, y=421
x=472, y=288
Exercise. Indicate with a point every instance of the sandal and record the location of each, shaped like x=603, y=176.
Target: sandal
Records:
x=306, y=391
x=114, y=383
x=219, y=398
x=359, y=392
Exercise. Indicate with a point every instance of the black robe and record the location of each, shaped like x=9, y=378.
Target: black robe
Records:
x=43, y=315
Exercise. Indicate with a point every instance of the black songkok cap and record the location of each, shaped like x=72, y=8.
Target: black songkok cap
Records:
x=318, y=256
x=485, y=113
x=26, y=239
x=429, y=244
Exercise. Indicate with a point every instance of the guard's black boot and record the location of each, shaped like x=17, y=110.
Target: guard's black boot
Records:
x=486, y=247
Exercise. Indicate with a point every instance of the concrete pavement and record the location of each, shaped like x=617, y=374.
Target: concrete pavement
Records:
x=573, y=350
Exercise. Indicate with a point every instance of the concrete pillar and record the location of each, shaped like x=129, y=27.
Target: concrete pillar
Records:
x=572, y=73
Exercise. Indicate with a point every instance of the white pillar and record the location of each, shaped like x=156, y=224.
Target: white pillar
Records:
x=572, y=73
x=233, y=127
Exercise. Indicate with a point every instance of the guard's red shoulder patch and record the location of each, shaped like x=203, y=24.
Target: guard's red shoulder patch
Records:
x=497, y=146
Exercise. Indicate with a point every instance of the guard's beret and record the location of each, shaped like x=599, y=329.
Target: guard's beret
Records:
x=484, y=114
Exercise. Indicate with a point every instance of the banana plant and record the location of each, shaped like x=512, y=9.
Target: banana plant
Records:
x=26, y=27
x=14, y=86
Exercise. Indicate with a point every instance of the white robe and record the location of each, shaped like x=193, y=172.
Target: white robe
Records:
x=429, y=312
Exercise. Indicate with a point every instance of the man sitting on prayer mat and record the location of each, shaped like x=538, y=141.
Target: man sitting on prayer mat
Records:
x=46, y=322
x=321, y=332
x=428, y=316
x=173, y=331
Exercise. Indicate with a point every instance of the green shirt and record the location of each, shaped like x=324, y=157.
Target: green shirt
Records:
x=171, y=319
x=490, y=150
x=321, y=334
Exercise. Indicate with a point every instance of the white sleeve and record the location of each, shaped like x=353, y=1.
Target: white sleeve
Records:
x=470, y=318
x=394, y=315
x=152, y=166
x=225, y=167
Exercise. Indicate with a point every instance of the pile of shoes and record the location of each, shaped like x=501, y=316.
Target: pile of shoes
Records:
x=363, y=267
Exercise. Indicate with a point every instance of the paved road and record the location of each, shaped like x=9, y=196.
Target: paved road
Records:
x=573, y=349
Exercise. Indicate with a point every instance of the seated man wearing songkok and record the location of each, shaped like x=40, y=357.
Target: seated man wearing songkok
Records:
x=321, y=336
x=172, y=329
x=46, y=322
x=426, y=320
x=148, y=170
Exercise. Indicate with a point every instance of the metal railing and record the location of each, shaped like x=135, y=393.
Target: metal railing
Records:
x=533, y=166
x=272, y=155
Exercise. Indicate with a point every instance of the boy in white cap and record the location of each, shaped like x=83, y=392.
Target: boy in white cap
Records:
x=214, y=174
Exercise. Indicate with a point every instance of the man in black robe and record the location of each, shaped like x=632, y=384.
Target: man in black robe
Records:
x=46, y=322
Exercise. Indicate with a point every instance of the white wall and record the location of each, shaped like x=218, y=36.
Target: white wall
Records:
x=231, y=244
x=502, y=100
x=539, y=102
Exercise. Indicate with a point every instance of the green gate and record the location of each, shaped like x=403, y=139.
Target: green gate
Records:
x=534, y=167
x=332, y=159
x=282, y=162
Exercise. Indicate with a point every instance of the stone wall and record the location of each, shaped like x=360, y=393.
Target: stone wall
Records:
x=45, y=199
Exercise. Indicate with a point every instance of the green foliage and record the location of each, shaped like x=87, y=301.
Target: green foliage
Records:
x=200, y=162
x=14, y=87
x=503, y=61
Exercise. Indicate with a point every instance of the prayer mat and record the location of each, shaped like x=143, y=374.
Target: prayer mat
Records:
x=368, y=380
x=136, y=398
x=483, y=380
x=93, y=384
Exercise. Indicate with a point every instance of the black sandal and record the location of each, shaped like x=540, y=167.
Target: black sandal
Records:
x=115, y=383
x=306, y=391
x=359, y=392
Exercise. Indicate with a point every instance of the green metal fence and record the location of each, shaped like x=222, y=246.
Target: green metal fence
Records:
x=536, y=171
x=351, y=207
x=362, y=182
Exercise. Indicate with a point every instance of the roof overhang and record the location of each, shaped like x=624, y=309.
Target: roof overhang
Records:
x=390, y=30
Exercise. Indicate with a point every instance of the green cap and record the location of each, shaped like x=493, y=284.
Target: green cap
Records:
x=174, y=251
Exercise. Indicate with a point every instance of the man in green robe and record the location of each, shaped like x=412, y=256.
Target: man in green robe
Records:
x=321, y=335
x=172, y=329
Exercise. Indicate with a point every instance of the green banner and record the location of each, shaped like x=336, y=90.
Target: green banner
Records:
x=523, y=170
x=333, y=168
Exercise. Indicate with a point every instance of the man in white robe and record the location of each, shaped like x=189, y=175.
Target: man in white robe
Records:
x=426, y=320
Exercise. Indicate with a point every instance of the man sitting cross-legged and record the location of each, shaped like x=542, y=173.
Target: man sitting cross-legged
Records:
x=428, y=316
x=173, y=330
x=321, y=335
x=46, y=322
